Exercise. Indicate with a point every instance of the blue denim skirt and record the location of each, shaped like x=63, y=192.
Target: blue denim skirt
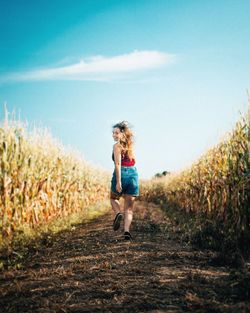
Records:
x=129, y=182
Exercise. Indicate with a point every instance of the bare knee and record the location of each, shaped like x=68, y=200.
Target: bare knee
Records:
x=114, y=201
x=129, y=202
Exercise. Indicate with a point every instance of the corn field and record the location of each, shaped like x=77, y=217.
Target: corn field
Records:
x=41, y=181
x=217, y=185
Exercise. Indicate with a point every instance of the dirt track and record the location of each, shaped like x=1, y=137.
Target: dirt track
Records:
x=92, y=269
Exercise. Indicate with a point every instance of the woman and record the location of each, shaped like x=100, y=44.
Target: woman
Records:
x=125, y=180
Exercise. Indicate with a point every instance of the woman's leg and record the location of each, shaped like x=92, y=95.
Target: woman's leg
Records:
x=115, y=205
x=128, y=211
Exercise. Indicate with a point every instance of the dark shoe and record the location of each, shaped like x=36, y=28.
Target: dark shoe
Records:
x=117, y=221
x=127, y=236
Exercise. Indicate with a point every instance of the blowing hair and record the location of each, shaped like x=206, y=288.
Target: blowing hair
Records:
x=127, y=140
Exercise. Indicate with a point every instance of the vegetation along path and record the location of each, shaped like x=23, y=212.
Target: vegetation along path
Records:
x=92, y=269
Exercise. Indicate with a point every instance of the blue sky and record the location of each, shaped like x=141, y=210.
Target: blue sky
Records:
x=176, y=70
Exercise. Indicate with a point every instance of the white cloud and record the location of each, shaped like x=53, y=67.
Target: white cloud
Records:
x=98, y=67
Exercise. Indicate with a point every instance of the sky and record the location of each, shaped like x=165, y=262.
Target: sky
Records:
x=176, y=70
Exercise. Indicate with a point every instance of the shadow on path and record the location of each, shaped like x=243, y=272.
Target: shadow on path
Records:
x=92, y=269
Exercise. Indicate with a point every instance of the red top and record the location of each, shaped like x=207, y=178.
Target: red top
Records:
x=125, y=161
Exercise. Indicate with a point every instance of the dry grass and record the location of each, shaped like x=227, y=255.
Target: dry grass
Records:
x=216, y=187
x=41, y=181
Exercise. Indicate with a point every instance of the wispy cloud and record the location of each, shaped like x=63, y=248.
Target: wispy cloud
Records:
x=98, y=68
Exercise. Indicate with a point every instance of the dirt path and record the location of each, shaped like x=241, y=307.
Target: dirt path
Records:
x=92, y=269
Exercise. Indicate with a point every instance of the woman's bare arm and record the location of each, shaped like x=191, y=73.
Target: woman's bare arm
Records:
x=117, y=156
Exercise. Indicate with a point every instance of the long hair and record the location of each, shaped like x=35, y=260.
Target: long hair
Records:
x=127, y=139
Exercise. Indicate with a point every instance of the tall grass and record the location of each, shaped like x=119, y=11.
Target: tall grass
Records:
x=40, y=180
x=216, y=186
